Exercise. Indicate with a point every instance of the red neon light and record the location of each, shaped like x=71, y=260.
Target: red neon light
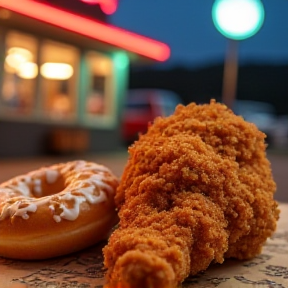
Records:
x=107, y=6
x=91, y=28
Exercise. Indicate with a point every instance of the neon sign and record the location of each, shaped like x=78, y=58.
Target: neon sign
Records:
x=107, y=6
x=238, y=19
x=90, y=28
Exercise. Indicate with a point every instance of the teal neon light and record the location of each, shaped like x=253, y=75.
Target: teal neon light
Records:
x=238, y=19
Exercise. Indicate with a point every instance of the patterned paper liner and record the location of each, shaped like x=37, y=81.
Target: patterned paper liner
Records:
x=85, y=269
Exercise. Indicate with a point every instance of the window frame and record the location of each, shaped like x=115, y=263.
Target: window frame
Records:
x=107, y=120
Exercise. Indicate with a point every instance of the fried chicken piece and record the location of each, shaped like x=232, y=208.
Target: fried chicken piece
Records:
x=197, y=189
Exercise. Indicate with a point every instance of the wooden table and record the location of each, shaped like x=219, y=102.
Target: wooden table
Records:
x=85, y=269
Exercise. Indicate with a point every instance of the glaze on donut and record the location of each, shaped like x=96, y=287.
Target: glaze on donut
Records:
x=56, y=210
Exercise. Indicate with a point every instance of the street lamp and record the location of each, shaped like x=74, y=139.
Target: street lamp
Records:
x=236, y=20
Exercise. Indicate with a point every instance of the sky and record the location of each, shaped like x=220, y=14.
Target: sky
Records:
x=187, y=27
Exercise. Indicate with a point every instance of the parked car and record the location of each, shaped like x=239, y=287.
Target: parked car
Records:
x=143, y=106
x=262, y=114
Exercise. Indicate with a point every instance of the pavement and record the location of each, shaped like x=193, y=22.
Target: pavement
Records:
x=116, y=162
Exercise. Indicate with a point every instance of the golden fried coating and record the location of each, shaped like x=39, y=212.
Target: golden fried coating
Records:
x=197, y=188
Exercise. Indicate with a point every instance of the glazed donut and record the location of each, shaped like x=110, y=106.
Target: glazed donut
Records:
x=56, y=210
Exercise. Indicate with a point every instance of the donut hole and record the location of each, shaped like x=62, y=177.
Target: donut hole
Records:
x=44, y=188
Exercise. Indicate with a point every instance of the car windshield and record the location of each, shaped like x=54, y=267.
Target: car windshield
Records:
x=163, y=101
x=244, y=107
x=137, y=105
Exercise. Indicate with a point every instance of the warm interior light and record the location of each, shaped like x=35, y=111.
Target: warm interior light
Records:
x=102, y=67
x=27, y=70
x=56, y=71
x=16, y=56
x=93, y=29
x=61, y=104
x=22, y=51
x=18, y=61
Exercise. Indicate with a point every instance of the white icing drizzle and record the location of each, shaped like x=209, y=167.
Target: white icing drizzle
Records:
x=71, y=213
x=15, y=210
x=91, y=189
x=52, y=176
x=87, y=195
x=97, y=180
x=57, y=218
x=22, y=188
x=37, y=187
x=7, y=193
x=23, y=212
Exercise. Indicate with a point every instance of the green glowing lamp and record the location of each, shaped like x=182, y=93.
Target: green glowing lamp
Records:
x=238, y=19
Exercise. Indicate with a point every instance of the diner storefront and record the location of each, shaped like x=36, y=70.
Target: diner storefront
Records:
x=63, y=79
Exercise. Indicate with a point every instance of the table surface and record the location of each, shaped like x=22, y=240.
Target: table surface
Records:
x=85, y=269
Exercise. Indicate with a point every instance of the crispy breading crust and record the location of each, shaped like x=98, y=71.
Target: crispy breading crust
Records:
x=197, y=188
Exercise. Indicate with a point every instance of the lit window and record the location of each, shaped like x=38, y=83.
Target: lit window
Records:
x=98, y=101
x=59, y=74
x=20, y=72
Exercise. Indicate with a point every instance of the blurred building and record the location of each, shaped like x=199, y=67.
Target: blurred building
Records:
x=64, y=75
